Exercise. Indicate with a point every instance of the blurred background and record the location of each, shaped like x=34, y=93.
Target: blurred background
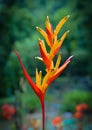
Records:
x=18, y=21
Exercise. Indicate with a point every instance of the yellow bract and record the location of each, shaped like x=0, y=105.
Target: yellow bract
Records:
x=38, y=78
x=58, y=61
x=60, y=24
x=44, y=35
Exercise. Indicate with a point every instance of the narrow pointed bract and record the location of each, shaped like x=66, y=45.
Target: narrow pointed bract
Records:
x=44, y=55
x=60, y=24
x=49, y=31
x=53, y=70
x=32, y=84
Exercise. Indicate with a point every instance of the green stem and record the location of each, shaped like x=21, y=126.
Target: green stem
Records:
x=43, y=112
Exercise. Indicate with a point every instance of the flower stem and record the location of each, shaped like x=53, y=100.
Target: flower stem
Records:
x=43, y=112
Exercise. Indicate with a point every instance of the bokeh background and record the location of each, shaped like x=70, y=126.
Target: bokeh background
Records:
x=18, y=21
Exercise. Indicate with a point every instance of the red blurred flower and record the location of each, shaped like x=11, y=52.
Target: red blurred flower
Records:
x=56, y=121
x=82, y=107
x=78, y=115
x=79, y=107
x=8, y=111
x=85, y=106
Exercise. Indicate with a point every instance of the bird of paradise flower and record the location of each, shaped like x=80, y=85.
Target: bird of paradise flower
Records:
x=52, y=69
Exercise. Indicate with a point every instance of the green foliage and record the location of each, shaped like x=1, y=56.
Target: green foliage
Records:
x=31, y=102
x=49, y=97
x=9, y=100
x=28, y=99
x=79, y=62
x=73, y=98
x=15, y=23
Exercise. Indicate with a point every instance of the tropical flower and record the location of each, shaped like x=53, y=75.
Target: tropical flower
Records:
x=8, y=111
x=78, y=115
x=53, y=70
x=57, y=121
x=82, y=107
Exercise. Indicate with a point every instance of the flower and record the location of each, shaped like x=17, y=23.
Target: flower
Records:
x=52, y=69
x=56, y=121
x=8, y=111
x=82, y=107
x=52, y=72
x=78, y=114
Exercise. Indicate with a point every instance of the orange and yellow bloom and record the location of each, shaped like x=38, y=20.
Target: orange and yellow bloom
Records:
x=53, y=70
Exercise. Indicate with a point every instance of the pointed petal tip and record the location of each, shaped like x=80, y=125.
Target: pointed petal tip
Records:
x=35, y=57
x=47, y=17
x=68, y=31
x=39, y=39
x=70, y=58
x=38, y=58
x=40, y=72
x=68, y=16
x=36, y=27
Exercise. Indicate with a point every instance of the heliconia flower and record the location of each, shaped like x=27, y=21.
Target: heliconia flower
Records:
x=53, y=70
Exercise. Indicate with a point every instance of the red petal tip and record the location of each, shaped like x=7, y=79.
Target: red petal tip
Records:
x=68, y=60
x=70, y=57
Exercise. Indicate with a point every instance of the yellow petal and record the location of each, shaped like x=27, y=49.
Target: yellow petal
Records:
x=48, y=25
x=44, y=83
x=39, y=58
x=51, y=55
x=38, y=78
x=44, y=55
x=43, y=46
x=49, y=31
x=58, y=61
x=64, y=36
x=44, y=35
x=57, y=45
x=57, y=73
x=60, y=24
x=51, y=67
